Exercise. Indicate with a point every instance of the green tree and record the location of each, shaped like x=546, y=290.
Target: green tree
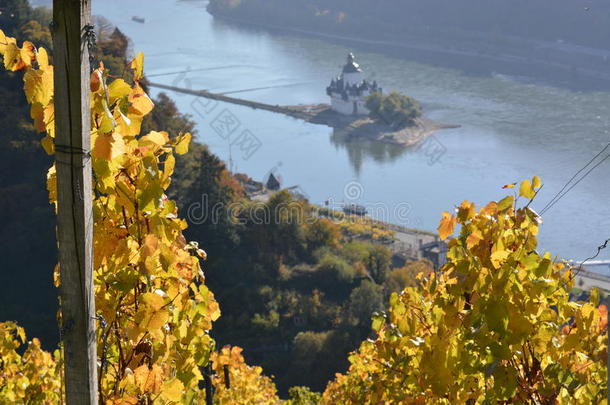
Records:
x=337, y=270
x=395, y=109
x=378, y=262
x=365, y=300
x=204, y=191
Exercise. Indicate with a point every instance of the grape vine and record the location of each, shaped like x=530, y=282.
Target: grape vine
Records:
x=495, y=325
x=149, y=286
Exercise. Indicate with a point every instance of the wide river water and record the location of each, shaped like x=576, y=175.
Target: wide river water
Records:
x=511, y=129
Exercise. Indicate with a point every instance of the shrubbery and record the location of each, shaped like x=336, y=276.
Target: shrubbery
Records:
x=394, y=109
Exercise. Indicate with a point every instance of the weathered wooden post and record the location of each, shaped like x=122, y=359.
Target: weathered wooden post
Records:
x=71, y=23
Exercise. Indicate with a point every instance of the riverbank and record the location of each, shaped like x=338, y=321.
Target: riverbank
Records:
x=357, y=128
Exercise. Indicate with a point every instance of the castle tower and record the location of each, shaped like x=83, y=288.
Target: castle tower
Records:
x=352, y=74
x=349, y=91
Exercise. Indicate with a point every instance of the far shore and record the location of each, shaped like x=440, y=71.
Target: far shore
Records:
x=471, y=57
x=365, y=128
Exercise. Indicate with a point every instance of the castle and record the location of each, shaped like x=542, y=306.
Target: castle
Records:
x=349, y=91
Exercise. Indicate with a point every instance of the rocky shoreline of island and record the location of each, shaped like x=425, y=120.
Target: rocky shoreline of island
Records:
x=364, y=128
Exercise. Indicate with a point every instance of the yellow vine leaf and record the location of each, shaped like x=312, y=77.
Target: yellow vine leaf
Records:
x=473, y=239
x=148, y=379
x=526, y=189
x=498, y=257
x=536, y=182
x=137, y=64
x=118, y=89
x=141, y=104
x=27, y=53
x=12, y=57
x=446, y=225
x=182, y=146
x=156, y=138
x=39, y=86
x=108, y=146
x=42, y=57
x=172, y=390
x=48, y=145
x=37, y=114
x=466, y=211
x=4, y=41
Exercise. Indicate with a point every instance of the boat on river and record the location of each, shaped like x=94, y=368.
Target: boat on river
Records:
x=355, y=209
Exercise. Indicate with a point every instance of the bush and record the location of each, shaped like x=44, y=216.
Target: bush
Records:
x=303, y=396
x=395, y=109
x=337, y=269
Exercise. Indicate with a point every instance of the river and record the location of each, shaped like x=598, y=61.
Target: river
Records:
x=511, y=128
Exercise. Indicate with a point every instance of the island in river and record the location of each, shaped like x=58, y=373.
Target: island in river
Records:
x=351, y=127
x=354, y=128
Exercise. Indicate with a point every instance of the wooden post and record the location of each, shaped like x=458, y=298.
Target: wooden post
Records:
x=209, y=388
x=71, y=19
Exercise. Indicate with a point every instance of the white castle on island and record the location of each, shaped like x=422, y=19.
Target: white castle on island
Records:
x=349, y=91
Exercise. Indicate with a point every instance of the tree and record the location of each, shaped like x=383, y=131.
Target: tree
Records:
x=322, y=232
x=407, y=276
x=365, y=300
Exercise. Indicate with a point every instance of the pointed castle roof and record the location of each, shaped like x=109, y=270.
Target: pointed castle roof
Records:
x=351, y=66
